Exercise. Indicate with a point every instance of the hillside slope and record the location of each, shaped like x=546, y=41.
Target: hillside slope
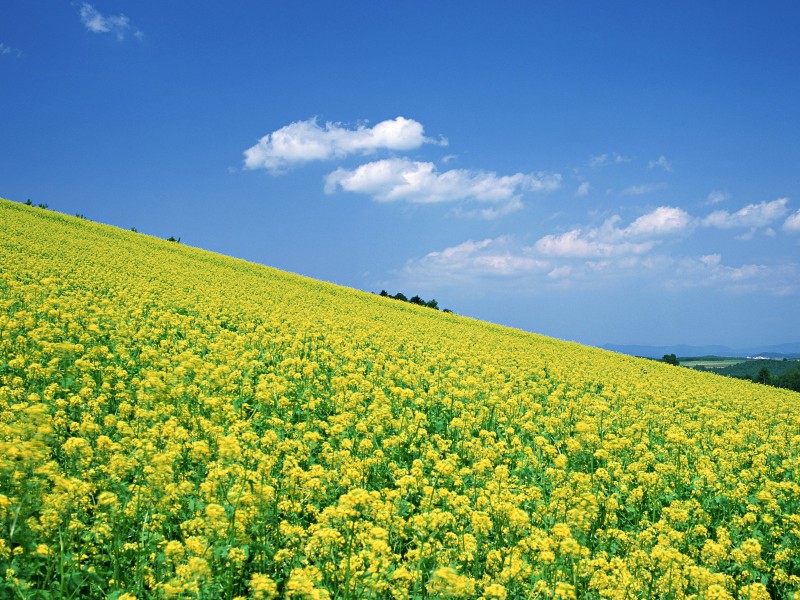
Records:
x=176, y=423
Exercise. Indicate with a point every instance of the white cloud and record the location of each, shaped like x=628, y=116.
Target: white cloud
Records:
x=709, y=270
x=397, y=179
x=306, y=141
x=471, y=260
x=97, y=23
x=591, y=258
x=752, y=216
x=717, y=196
x=661, y=162
x=664, y=219
x=9, y=51
x=644, y=188
x=609, y=240
x=577, y=244
x=561, y=272
x=792, y=222
x=583, y=189
x=606, y=159
x=491, y=212
x=553, y=262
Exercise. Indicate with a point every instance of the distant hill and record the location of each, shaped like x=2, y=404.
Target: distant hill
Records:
x=778, y=351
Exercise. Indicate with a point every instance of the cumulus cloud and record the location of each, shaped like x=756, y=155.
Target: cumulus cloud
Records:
x=401, y=179
x=606, y=159
x=306, y=141
x=97, y=23
x=609, y=239
x=792, y=222
x=753, y=216
x=661, y=162
x=663, y=220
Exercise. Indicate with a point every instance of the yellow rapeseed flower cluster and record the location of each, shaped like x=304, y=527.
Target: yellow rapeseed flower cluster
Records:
x=178, y=424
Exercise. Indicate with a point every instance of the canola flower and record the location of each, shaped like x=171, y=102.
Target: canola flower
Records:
x=178, y=424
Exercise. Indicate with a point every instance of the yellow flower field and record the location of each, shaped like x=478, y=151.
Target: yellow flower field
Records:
x=179, y=424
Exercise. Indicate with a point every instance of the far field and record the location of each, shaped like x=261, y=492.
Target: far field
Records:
x=709, y=362
x=739, y=367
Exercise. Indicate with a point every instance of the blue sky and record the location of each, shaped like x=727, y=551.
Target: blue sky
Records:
x=620, y=172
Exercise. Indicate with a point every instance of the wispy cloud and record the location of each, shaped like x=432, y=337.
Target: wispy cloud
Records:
x=119, y=25
x=792, y=222
x=583, y=189
x=591, y=257
x=661, y=162
x=752, y=216
x=506, y=257
x=606, y=159
x=506, y=261
x=590, y=244
x=401, y=179
x=642, y=189
x=710, y=270
x=9, y=51
x=306, y=141
x=717, y=196
x=473, y=260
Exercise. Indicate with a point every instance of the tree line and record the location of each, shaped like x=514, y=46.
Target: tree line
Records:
x=432, y=303
x=789, y=380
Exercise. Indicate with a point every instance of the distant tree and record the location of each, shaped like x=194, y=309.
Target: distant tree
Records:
x=40, y=205
x=763, y=376
x=172, y=239
x=28, y=202
x=447, y=310
x=670, y=359
x=416, y=299
x=790, y=379
x=134, y=230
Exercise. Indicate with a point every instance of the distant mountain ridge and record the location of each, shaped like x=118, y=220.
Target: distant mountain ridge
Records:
x=789, y=350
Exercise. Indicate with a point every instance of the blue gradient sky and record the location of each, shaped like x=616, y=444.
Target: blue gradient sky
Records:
x=623, y=172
